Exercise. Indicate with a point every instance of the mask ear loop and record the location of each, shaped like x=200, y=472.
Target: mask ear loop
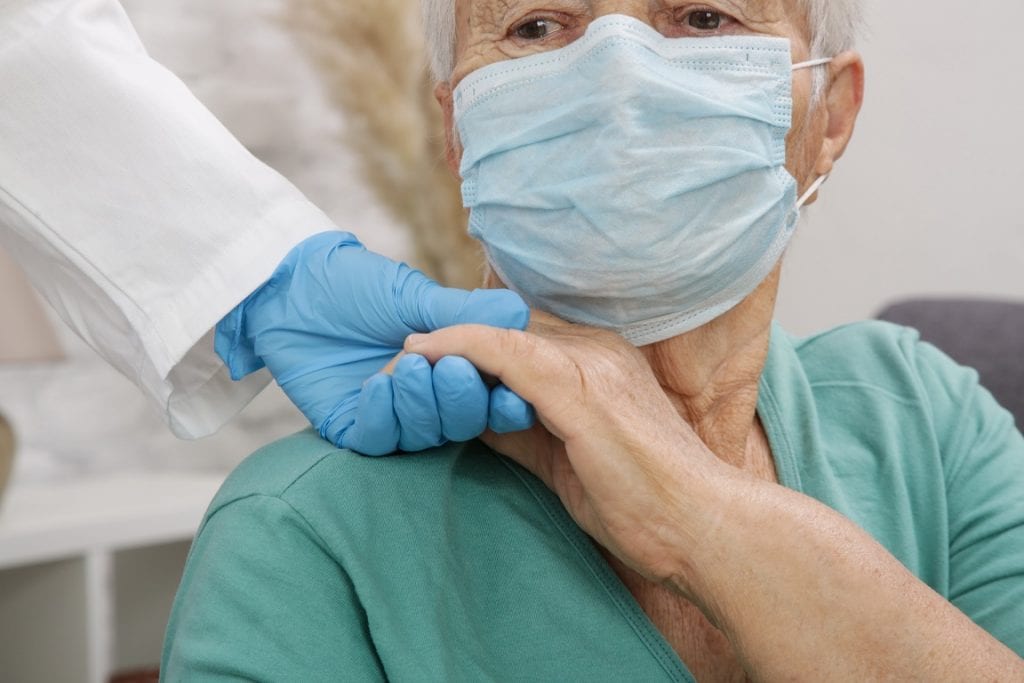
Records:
x=814, y=62
x=815, y=186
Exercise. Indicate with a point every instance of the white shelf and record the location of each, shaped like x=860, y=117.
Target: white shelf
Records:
x=60, y=546
x=40, y=523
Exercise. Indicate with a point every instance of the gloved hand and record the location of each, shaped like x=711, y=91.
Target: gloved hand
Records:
x=334, y=314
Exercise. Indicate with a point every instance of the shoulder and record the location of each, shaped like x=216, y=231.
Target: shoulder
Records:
x=262, y=557
x=885, y=358
x=273, y=469
x=925, y=459
x=883, y=378
x=322, y=484
x=865, y=350
x=868, y=335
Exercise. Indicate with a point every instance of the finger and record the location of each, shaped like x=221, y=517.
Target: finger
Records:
x=337, y=422
x=509, y=413
x=375, y=430
x=527, y=364
x=389, y=369
x=426, y=306
x=494, y=307
x=462, y=399
x=416, y=405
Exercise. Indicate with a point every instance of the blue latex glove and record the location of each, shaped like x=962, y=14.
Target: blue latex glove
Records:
x=334, y=314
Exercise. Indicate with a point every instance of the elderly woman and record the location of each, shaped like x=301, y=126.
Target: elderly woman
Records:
x=704, y=497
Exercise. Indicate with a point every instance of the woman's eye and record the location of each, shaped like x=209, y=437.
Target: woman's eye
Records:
x=536, y=29
x=706, y=20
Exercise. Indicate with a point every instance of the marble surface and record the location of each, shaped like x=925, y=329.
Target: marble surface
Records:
x=80, y=417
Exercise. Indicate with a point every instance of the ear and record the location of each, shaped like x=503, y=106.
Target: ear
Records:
x=842, y=105
x=453, y=150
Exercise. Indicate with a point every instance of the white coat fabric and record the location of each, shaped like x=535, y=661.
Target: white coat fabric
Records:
x=136, y=214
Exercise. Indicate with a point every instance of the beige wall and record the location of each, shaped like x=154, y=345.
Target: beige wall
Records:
x=930, y=197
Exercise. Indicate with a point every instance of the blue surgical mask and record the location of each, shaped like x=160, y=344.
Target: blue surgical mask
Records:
x=631, y=181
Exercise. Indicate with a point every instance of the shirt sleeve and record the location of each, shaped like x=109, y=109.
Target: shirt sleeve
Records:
x=135, y=213
x=262, y=599
x=983, y=457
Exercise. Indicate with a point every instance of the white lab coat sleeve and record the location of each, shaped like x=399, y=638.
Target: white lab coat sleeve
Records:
x=132, y=209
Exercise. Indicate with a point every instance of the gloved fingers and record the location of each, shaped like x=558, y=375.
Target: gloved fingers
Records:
x=416, y=405
x=375, y=430
x=508, y=412
x=462, y=399
x=494, y=307
x=427, y=306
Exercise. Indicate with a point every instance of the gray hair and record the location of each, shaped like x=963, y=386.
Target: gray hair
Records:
x=833, y=25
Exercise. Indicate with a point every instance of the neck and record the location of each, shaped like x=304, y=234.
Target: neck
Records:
x=711, y=375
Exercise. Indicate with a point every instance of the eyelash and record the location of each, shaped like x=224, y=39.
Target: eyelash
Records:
x=681, y=16
x=534, y=18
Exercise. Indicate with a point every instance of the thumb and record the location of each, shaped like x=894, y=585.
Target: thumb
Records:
x=494, y=307
x=426, y=306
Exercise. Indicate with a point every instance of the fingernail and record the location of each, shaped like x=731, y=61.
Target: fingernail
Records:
x=415, y=340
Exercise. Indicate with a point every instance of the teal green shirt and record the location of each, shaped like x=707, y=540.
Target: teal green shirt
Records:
x=457, y=565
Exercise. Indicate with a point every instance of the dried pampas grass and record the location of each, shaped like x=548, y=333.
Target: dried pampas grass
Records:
x=370, y=55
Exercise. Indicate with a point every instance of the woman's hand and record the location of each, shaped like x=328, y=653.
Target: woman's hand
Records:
x=626, y=466
x=800, y=591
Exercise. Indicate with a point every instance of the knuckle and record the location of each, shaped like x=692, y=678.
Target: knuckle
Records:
x=516, y=343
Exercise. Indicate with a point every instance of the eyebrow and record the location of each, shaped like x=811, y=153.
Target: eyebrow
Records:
x=753, y=6
x=512, y=4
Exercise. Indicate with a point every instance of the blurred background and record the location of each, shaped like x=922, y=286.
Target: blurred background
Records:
x=334, y=96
